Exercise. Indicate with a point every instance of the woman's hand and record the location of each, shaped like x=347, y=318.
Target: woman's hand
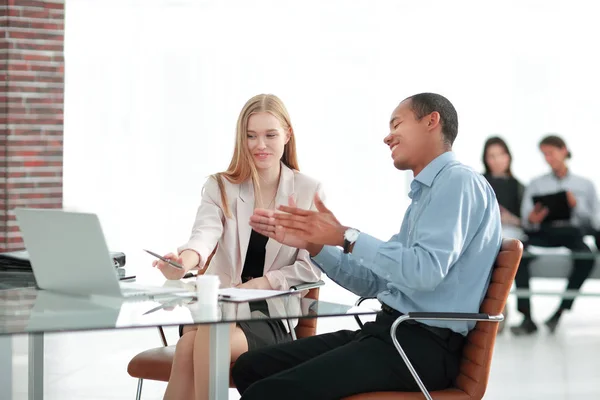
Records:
x=539, y=213
x=571, y=200
x=169, y=271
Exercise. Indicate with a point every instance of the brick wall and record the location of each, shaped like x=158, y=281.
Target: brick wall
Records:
x=31, y=110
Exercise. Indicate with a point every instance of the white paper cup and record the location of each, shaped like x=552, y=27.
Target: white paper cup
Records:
x=207, y=289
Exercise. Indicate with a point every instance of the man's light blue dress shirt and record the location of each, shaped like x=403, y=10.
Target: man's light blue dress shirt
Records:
x=442, y=258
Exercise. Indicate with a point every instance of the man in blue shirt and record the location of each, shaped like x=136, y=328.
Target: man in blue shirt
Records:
x=549, y=229
x=440, y=261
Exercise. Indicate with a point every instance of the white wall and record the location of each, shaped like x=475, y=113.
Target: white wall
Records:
x=153, y=90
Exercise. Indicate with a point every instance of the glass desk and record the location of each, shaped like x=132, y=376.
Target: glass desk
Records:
x=36, y=312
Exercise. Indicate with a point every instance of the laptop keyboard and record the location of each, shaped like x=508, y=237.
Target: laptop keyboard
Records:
x=16, y=279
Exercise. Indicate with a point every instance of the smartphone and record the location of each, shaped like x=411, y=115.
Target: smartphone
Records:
x=170, y=262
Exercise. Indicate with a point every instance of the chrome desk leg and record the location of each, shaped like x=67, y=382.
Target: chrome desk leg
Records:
x=6, y=360
x=220, y=356
x=36, y=366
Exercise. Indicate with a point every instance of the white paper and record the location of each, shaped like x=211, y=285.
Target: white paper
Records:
x=237, y=294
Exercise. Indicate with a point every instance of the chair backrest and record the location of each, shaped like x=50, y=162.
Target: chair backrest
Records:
x=477, y=354
x=308, y=326
x=210, y=257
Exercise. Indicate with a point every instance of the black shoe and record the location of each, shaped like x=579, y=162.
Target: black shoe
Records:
x=527, y=327
x=552, y=323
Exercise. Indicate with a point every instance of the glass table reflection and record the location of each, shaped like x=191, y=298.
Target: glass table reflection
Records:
x=37, y=312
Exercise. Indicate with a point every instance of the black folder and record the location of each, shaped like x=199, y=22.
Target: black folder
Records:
x=557, y=204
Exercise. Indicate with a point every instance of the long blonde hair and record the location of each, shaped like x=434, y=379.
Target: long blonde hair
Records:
x=242, y=165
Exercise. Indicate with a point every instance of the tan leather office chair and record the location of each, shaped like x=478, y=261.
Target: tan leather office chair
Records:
x=472, y=380
x=155, y=364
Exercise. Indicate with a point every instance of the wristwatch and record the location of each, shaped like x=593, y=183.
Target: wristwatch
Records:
x=350, y=236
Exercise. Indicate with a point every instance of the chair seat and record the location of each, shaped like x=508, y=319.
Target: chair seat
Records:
x=448, y=394
x=154, y=364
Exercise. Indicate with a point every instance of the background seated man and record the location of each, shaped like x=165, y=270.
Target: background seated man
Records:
x=555, y=232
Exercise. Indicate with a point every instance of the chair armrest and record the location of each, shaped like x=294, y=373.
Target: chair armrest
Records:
x=307, y=286
x=361, y=299
x=357, y=304
x=453, y=316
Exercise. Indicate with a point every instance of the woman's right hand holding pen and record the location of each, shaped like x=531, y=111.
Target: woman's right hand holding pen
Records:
x=188, y=258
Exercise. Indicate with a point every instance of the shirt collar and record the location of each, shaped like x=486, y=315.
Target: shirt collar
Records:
x=567, y=175
x=431, y=170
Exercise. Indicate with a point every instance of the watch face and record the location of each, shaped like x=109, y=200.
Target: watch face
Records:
x=351, y=235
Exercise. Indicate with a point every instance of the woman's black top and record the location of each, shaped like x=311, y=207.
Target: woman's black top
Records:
x=509, y=192
x=254, y=264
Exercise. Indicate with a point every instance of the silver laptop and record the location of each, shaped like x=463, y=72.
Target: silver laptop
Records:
x=68, y=254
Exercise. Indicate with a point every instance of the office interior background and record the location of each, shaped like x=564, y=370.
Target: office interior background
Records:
x=153, y=89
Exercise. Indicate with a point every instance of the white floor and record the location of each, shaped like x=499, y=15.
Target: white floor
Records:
x=92, y=365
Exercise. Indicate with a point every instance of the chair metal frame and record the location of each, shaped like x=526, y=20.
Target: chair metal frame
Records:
x=431, y=316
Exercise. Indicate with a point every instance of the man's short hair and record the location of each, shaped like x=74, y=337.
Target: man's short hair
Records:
x=555, y=141
x=423, y=104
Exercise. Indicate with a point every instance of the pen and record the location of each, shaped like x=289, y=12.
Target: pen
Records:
x=170, y=262
x=127, y=278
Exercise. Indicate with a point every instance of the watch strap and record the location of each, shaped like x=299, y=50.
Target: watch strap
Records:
x=348, y=245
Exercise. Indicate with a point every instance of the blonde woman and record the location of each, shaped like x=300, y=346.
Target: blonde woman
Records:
x=263, y=173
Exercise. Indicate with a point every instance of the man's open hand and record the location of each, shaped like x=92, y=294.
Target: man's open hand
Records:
x=263, y=221
x=319, y=227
